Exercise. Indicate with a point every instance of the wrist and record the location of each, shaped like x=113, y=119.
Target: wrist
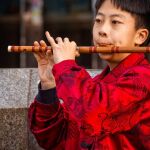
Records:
x=47, y=85
x=61, y=60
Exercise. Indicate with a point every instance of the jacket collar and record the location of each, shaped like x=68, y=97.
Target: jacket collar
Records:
x=130, y=61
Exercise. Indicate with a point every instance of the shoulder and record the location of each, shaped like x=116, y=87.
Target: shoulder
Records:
x=139, y=69
x=139, y=73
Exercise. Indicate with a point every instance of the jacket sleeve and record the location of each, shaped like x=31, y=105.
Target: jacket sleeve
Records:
x=103, y=107
x=52, y=127
x=47, y=123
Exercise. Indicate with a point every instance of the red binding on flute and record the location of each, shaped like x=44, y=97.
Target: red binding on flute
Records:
x=83, y=49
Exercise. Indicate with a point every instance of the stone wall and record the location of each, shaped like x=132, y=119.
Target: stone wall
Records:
x=18, y=88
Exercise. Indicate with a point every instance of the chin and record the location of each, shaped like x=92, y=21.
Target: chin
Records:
x=106, y=57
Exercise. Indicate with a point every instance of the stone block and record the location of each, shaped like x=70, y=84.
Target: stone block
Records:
x=18, y=87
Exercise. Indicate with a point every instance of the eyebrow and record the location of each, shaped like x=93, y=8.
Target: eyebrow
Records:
x=112, y=16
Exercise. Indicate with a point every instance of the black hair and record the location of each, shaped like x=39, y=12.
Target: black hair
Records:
x=140, y=9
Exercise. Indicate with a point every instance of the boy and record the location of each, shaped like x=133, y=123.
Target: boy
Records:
x=110, y=111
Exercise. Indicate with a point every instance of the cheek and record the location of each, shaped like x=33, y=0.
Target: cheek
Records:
x=122, y=38
x=116, y=38
x=94, y=33
x=94, y=30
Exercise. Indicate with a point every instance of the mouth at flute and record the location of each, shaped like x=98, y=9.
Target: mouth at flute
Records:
x=105, y=45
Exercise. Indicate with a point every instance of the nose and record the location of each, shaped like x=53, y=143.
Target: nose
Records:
x=102, y=34
x=104, y=30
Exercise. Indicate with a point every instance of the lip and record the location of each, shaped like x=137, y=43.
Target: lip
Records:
x=104, y=44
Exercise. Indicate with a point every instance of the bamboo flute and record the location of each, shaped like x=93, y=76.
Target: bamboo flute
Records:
x=83, y=49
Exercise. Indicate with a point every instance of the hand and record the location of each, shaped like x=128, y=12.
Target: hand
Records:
x=63, y=49
x=45, y=63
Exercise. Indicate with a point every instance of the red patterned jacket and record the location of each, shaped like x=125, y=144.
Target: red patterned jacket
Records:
x=108, y=112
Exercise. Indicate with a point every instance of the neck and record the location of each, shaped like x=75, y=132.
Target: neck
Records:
x=113, y=64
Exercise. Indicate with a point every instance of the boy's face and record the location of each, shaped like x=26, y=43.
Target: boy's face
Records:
x=113, y=27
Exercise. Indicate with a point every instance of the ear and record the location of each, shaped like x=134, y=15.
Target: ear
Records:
x=141, y=36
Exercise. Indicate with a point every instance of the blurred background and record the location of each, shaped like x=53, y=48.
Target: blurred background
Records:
x=24, y=21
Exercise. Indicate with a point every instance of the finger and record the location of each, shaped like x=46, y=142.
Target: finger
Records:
x=74, y=44
x=77, y=54
x=50, y=39
x=36, y=43
x=59, y=40
x=36, y=55
x=66, y=40
x=48, y=52
x=43, y=43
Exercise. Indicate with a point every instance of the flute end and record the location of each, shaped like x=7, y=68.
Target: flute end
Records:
x=9, y=48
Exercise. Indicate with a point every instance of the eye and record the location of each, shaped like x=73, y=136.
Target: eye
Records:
x=97, y=20
x=115, y=22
